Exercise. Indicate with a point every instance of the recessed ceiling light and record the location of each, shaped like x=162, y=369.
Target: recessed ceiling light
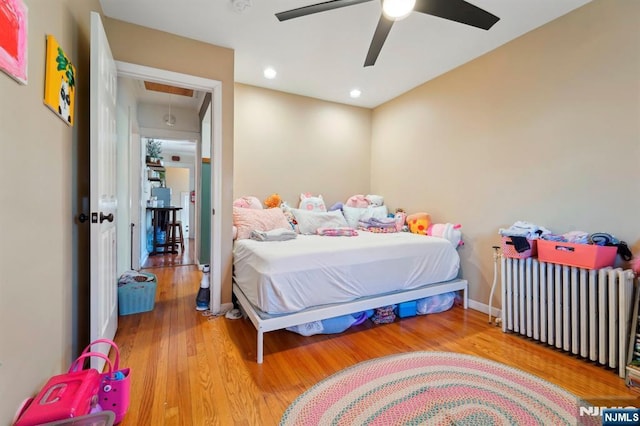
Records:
x=270, y=73
x=355, y=93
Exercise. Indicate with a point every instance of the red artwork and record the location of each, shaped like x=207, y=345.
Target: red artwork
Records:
x=13, y=39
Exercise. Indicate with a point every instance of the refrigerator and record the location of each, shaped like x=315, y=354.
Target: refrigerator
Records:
x=163, y=196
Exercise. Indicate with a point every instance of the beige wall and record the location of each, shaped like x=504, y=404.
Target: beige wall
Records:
x=544, y=129
x=177, y=178
x=41, y=272
x=290, y=144
x=157, y=49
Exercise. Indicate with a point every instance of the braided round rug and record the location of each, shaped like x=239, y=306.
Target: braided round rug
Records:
x=435, y=388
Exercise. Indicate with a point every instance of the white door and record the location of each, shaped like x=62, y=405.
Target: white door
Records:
x=103, y=201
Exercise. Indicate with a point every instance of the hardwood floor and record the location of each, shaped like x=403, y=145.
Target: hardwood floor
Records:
x=185, y=257
x=188, y=369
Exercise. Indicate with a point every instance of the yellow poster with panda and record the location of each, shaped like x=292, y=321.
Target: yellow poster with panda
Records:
x=60, y=81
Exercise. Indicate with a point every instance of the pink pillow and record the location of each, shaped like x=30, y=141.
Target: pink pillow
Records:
x=246, y=220
x=248, y=201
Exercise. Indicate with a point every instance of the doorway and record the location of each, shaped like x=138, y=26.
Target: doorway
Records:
x=177, y=182
x=137, y=168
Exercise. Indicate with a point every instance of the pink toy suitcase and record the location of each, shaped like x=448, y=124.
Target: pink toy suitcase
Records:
x=65, y=396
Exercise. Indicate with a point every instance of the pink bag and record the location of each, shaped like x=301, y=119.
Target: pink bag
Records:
x=115, y=386
x=64, y=396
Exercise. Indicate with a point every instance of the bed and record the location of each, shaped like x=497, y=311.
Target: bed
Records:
x=281, y=284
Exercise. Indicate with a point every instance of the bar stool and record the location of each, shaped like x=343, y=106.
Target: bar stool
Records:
x=174, y=235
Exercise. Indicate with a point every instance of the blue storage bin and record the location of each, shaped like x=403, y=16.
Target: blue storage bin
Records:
x=408, y=309
x=136, y=296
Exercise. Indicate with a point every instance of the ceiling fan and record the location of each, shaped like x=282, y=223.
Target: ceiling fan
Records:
x=394, y=10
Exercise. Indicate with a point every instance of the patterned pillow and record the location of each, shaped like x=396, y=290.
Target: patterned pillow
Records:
x=246, y=220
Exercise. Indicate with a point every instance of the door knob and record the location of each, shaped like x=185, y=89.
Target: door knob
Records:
x=82, y=218
x=108, y=218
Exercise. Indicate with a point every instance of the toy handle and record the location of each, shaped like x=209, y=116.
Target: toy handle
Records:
x=116, y=361
x=76, y=363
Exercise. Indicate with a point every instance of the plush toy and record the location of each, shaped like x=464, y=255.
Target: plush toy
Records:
x=357, y=201
x=419, y=223
x=400, y=218
x=311, y=203
x=448, y=231
x=247, y=202
x=286, y=209
x=272, y=201
x=375, y=200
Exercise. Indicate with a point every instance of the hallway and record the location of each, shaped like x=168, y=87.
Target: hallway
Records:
x=173, y=259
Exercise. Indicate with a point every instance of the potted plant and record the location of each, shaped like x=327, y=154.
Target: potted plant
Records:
x=154, y=149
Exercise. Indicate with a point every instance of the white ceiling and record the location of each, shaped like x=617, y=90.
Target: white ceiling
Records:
x=322, y=55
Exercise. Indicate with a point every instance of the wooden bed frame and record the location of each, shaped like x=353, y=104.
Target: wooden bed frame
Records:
x=264, y=322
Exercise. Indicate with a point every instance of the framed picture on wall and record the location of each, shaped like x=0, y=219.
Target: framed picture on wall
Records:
x=13, y=39
x=60, y=81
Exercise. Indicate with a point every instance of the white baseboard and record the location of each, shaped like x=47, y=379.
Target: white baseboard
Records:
x=477, y=306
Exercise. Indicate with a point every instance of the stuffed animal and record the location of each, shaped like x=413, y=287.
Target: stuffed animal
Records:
x=400, y=219
x=448, y=231
x=357, y=201
x=272, y=201
x=311, y=203
x=247, y=202
x=375, y=200
x=286, y=209
x=419, y=223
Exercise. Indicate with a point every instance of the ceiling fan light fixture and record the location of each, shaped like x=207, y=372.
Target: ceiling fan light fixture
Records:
x=397, y=9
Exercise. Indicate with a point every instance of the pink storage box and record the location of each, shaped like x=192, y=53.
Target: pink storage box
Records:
x=587, y=256
x=509, y=250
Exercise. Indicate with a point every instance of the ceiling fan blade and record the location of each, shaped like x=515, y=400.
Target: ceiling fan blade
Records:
x=382, y=31
x=315, y=8
x=459, y=11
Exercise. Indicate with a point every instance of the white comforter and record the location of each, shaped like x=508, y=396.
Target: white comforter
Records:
x=288, y=276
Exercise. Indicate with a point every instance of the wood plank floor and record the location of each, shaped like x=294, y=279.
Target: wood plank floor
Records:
x=188, y=369
x=179, y=258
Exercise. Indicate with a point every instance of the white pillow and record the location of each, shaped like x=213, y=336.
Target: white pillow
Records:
x=310, y=221
x=355, y=214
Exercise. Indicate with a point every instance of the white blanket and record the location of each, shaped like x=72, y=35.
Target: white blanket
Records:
x=312, y=270
x=279, y=234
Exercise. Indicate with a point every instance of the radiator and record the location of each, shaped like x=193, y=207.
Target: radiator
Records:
x=580, y=311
